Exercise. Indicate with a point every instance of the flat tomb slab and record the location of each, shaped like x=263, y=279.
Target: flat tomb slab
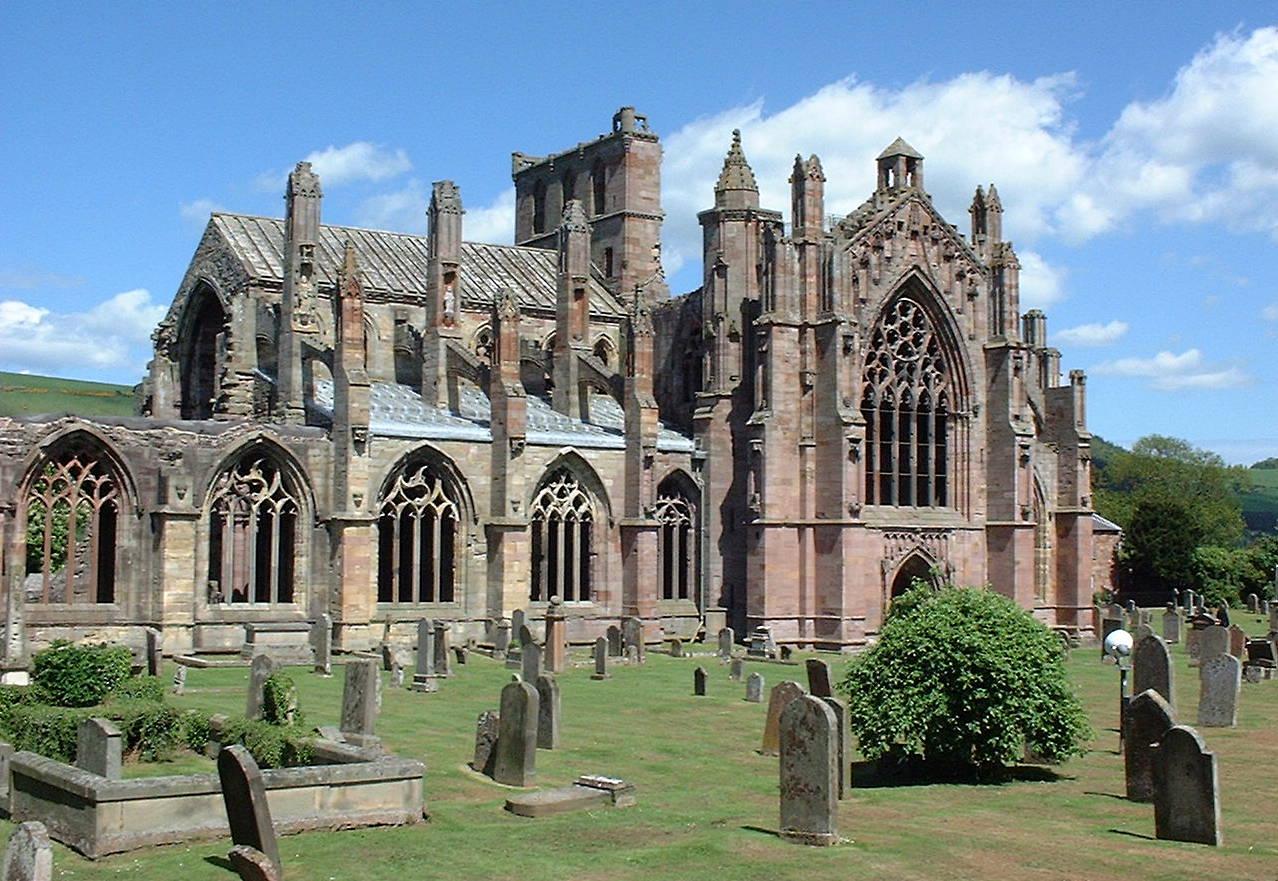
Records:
x=586, y=794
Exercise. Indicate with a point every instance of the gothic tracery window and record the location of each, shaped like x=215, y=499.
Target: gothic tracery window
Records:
x=676, y=542
x=562, y=525
x=417, y=539
x=253, y=516
x=906, y=401
x=72, y=515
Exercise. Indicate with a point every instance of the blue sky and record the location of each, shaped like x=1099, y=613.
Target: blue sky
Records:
x=1135, y=147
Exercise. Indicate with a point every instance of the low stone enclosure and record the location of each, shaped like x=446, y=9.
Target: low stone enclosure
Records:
x=96, y=816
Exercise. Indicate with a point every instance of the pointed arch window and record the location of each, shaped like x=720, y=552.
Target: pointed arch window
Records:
x=677, y=542
x=417, y=535
x=253, y=541
x=906, y=401
x=563, y=519
x=73, y=506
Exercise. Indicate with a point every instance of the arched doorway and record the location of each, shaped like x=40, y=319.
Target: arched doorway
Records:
x=200, y=348
x=916, y=567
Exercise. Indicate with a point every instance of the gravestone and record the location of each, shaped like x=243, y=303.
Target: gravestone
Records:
x=1171, y=626
x=501, y=640
x=556, y=653
x=361, y=701
x=154, y=651
x=1273, y=617
x=736, y=669
x=727, y=639
x=547, y=711
x=1213, y=643
x=1133, y=618
x=1262, y=652
x=396, y=671
x=1220, y=680
x=632, y=635
x=526, y=637
x=322, y=644
x=1253, y=603
x=259, y=671
x=461, y=654
x=1140, y=631
x=424, y=678
x=632, y=654
x=99, y=747
x=1114, y=610
x=1146, y=718
x=808, y=772
x=518, y=620
x=516, y=761
x=1237, y=641
x=699, y=681
x=1108, y=626
x=675, y=645
x=786, y=652
x=443, y=652
x=531, y=661
x=754, y=688
x=29, y=854
x=601, y=659
x=251, y=864
x=244, y=795
x=780, y=697
x=487, y=728
x=1186, y=789
x=818, y=678
x=1152, y=668
x=1193, y=642
x=615, y=647
x=179, y=679
x=843, y=727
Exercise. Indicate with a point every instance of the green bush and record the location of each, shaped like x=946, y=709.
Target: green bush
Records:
x=67, y=675
x=272, y=746
x=963, y=681
x=279, y=700
x=146, y=688
x=40, y=728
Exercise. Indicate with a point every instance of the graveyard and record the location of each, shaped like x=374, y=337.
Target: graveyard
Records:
x=706, y=792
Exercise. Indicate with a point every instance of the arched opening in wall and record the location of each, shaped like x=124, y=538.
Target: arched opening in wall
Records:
x=1043, y=534
x=598, y=190
x=418, y=536
x=677, y=541
x=563, y=521
x=482, y=344
x=539, y=207
x=408, y=368
x=906, y=400
x=604, y=351
x=916, y=568
x=254, y=514
x=202, y=340
x=569, y=190
x=72, y=504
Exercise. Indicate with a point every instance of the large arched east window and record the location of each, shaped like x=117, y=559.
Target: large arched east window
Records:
x=417, y=539
x=253, y=518
x=202, y=337
x=677, y=541
x=562, y=526
x=73, y=505
x=906, y=401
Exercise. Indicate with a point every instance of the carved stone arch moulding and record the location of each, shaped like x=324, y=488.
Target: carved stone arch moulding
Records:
x=456, y=484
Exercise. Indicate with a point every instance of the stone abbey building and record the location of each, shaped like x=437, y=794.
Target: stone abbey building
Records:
x=387, y=426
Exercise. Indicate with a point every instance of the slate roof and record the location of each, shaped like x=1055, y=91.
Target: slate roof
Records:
x=398, y=411
x=900, y=148
x=395, y=263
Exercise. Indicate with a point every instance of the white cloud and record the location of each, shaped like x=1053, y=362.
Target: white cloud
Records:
x=1041, y=283
x=1093, y=335
x=199, y=210
x=1270, y=312
x=113, y=334
x=1169, y=372
x=358, y=161
x=404, y=210
x=494, y=222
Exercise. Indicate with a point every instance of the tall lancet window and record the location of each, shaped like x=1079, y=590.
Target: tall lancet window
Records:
x=677, y=542
x=906, y=401
x=417, y=539
x=253, y=541
x=563, y=520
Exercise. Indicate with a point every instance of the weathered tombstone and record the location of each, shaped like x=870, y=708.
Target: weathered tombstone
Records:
x=779, y=698
x=1186, y=789
x=1132, y=618
x=1108, y=626
x=726, y=640
x=29, y=855
x=547, y=711
x=244, y=794
x=1213, y=642
x=443, y=653
x=526, y=637
x=786, y=652
x=1237, y=641
x=843, y=726
x=1114, y=610
x=736, y=669
x=461, y=654
x=699, y=681
x=615, y=647
x=531, y=660
x=601, y=659
x=632, y=635
x=1253, y=603
x=424, y=678
x=1220, y=680
x=675, y=645
x=487, y=728
x=1140, y=631
x=556, y=655
x=1273, y=617
x=251, y=864
x=1193, y=642
x=179, y=679
x=154, y=651
x=361, y=700
x=1262, y=652
x=1152, y=668
x=322, y=644
x=1171, y=626
x=396, y=671
x=518, y=620
x=632, y=654
x=99, y=747
x=259, y=671
x=818, y=678
x=809, y=786
x=501, y=640
x=754, y=688
x=1146, y=717
x=516, y=760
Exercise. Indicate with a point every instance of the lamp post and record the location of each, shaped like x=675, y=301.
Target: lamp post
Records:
x=1118, y=645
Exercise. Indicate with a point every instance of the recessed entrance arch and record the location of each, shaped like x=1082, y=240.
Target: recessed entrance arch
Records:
x=915, y=567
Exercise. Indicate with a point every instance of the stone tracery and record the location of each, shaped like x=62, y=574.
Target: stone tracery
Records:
x=253, y=515
x=417, y=539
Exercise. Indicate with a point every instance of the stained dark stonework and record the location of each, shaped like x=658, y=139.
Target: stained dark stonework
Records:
x=1220, y=682
x=322, y=644
x=259, y=671
x=516, y=762
x=779, y=698
x=818, y=678
x=809, y=772
x=699, y=681
x=487, y=729
x=29, y=853
x=548, y=711
x=754, y=688
x=99, y=748
x=1186, y=789
x=601, y=659
x=244, y=794
x=1146, y=718
x=361, y=702
x=1152, y=668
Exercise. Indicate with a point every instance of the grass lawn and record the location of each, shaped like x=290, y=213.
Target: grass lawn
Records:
x=21, y=393
x=708, y=804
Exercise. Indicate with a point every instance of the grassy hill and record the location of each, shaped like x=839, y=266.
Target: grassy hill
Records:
x=1260, y=505
x=22, y=393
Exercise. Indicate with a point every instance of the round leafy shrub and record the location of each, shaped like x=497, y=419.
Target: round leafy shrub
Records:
x=39, y=728
x=279, y=700
x=963, y=679
x=68, y=675
x=272, y=746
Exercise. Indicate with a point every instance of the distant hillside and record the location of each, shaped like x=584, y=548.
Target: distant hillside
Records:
x=1260, y=506
x=22, y=393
